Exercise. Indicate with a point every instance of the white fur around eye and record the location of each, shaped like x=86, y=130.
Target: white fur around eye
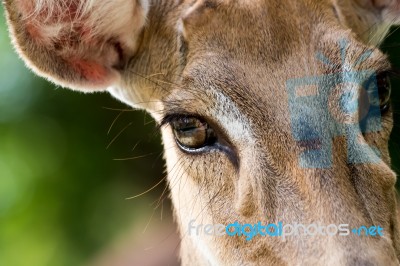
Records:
x=234, y=122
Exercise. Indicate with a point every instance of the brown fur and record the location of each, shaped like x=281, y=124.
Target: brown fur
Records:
x=228, y=61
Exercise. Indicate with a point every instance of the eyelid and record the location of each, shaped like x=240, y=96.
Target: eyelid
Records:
x=168, y=118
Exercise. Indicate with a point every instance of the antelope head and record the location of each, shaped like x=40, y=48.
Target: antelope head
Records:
x=272, y=113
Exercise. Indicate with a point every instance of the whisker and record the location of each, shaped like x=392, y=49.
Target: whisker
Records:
x=135, y=157
x=119, y=134
x=115, y=120
x=147, y=191
x=148, y=223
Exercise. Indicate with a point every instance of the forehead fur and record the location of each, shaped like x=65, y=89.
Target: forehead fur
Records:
x=261, y=30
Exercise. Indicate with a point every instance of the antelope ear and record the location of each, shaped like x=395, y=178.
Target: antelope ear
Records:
x=388, y=9
x=370, y=19
x=80, y=44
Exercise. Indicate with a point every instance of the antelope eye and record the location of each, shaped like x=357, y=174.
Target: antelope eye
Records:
x=384, y=90
x=191, y=133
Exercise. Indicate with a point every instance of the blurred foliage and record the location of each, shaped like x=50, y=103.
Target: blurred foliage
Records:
x=392, y=48
x=62, y=193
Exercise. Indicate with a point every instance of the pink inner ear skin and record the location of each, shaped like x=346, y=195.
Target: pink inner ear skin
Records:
x=33, y=32
x=90, y=70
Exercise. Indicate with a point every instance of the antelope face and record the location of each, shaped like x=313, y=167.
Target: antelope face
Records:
x=271, y=112
x=258, y=132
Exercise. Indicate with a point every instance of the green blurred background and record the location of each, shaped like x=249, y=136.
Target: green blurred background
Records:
x=62, y=191
x=62, y=188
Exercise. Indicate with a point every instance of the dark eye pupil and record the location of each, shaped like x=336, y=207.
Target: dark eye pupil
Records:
x=192, y=133
x=384, y=90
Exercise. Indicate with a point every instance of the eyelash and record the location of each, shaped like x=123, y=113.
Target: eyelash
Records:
x=174, y=116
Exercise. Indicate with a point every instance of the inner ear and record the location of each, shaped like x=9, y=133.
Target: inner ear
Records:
x=81, y=44
x=369, y=19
